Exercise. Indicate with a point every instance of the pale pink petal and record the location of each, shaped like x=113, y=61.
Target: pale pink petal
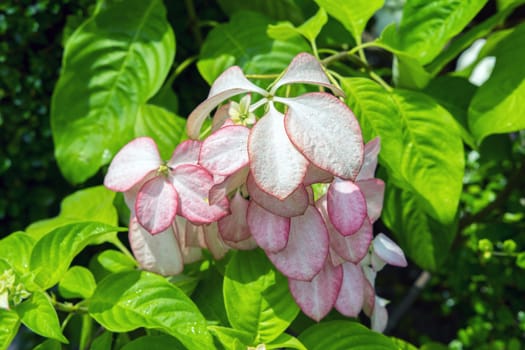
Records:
x=371, y=152
x=190, y=254
x=389, y=251
x=306, y=69
x=247, y=244
x=194, y=235
x=307, y=248
x=346, y=206
x=293, y=205
x=193, y=184
x=334, y=257
x=234, y=227
x=351, y=296
x=226, y=150
x=130, y=196
x=230, y=83
x=317, y=297
x=373, y=190
x=369, y=298
x=326, y=132
x=270, y=231
x=316, y=175
x=354, y=247
x=230, y=183
x=159, y=253
x=277, y=166
x=156, y=205
x=132, y=163
x=187, y=152
x=214, y=241
x=221, y=117
x=379, y=318
x=351, y=248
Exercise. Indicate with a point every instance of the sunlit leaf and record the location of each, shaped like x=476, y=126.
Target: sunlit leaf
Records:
x=92, y=203
x=113, y=63
x=336, y=335
x=154, y=342
x=353, y=14
x=54, y=252
x=497, y=107
x=243, y=41
x=38, y=314
x=129, y=300
x=426, y=27
x=10, y=323
x=256, y=296
x=78, y=282
x=15, y=249
x=420, y=142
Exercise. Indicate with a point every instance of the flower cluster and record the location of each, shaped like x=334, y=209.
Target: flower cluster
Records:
x=298, y=183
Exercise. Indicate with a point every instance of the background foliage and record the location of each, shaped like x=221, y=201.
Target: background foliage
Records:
x=472, y=257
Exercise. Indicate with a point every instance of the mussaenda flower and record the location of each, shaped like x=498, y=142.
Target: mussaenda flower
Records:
x=161, y=190
x=316, y=128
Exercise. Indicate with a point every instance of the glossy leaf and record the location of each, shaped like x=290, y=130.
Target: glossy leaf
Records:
x=229, y=337
x=78, y=282
x=16, y=249
x=421, y=143
x=98, y=91
x=243, y=41
x=256, y=296
x=309, y=29
x=427, y=27
x=49, y=344
x=154, y=342
x=165, y=127
x=10, y=323
x=54, y=252
x=286, y=341
x=497, y=105
x=92, y=203
x=422, y=238
x=38, y=314
x=128, y=300
x=353, y=14
x=335, y=335
x=276, y=9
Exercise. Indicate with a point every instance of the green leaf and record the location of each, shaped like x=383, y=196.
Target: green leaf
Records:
x=53, y=254
x=110, y=261
x=93, y=204
x=353, y=14
x=455, y=94
x=309, y=29
x=426, y=27
x=15, y=249
x=112, y=64
x=520, y=260
x=78, y=282
x=154, y=342
x=38, y=314
x=243, y=41
x=129, y=300
x=10, y=323
x=420, y=142
x=434, y=346
x=256, y=296
x=275, y=9
x=422, y=238
x=228, y=337
x=336, y=335
x=402, y=345
x=286, y=341
x=209, y=297
x=497, y=105
x=102, y=342
x=49, y=344
x=164, y=127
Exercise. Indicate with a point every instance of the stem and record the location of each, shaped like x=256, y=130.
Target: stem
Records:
x=347, y=54
x=68, y=307
x=408, y=300
x=193, y=21
x=117, y=243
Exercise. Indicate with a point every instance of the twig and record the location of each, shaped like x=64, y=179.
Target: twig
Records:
x=408, y=300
